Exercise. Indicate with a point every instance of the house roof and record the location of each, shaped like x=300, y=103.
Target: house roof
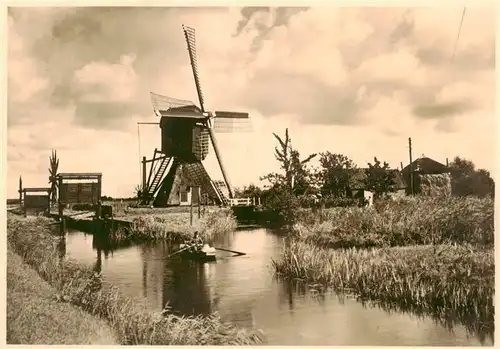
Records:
x=427, y=166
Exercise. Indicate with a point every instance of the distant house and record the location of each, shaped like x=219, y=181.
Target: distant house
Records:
x=425, y=166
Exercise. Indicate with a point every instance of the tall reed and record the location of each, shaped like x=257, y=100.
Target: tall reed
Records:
x=442, y=280
x=410, y=221
x=133, y=323
x=176, y=227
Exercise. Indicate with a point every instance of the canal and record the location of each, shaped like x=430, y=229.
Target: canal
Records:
x=242, y=291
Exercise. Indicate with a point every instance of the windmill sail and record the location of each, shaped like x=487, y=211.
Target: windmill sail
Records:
x=223, y=125
x=163, y=103
x=231, y=114
x=189, y=33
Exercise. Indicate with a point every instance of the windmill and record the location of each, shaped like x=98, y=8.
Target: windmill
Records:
x=186, y=130
x=54, y=166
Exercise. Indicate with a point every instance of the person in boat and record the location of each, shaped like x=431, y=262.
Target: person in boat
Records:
x=196, y=242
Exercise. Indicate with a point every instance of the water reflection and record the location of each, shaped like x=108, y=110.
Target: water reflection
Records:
x=61, y=247
x=243, y=291
x=185, y=288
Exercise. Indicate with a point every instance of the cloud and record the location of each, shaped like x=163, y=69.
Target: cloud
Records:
x=103, y=82
x=359, y=81
x=440, y=109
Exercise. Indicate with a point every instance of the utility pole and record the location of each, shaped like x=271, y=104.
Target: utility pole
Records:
x=401, y=163
x=143, y=176
x=411, y=167
x=20, y=190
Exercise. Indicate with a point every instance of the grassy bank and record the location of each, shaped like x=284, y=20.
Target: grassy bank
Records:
x=132, y=322
x=446, y=281
x=35, y=316
x=411, y=221
x=176, y=227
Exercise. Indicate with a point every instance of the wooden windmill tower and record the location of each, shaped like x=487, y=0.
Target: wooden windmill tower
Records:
x=186, y=131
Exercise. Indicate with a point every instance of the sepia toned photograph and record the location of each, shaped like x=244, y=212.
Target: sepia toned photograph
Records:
x=318, y=175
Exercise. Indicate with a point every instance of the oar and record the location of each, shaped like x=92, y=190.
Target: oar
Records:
x=182, y=249
x=236, y=252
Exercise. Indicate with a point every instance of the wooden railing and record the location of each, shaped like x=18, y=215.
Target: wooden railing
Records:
x=244, y=201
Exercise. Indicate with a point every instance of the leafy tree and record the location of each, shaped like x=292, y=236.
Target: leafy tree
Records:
x=249, y=191
x=461, y=167
x=301, y=174
x=466, y=180
x=379, y=178
x=283, y=204
x=338, y=174
x=296, y=175
x=281, y=198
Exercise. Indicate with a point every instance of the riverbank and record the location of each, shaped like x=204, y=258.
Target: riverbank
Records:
x=35, y=316
x=421, y=255
x=131, y=321
x=174, y=227
x=404, y=222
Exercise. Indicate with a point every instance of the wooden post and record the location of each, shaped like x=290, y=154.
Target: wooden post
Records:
x=99, y=190
x=143, y=174
x=59, y=202
x=411, y=168
x=191, y=211
x=24, y=203
x=199, y=202
x=63, y=226
x=205, y=203
x=48, y=204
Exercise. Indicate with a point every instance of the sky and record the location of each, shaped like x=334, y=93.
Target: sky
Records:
x=356, y=81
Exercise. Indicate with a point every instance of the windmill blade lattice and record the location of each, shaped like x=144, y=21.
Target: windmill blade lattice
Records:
x=163, y=103
x=230, y=125
x=189, y=33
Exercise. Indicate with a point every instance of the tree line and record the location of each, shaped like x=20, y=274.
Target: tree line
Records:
x=337, y=176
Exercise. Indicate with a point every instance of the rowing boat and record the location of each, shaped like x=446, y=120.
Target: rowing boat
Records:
x=205, y=254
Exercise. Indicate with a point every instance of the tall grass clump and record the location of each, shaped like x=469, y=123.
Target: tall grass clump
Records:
x=133, y=323
x=445, y=281
x=34, y=316
x=175, y=227
x=408, y=221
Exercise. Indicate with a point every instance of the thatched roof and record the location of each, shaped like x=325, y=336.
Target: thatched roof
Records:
x=425, y=165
